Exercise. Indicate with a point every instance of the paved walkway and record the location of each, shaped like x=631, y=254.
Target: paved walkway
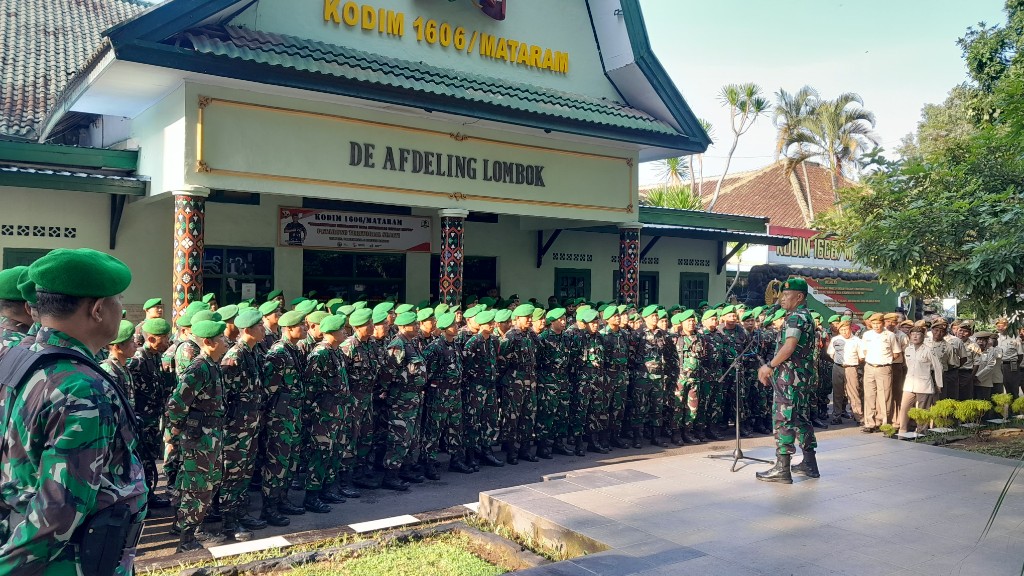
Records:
x=882, y=507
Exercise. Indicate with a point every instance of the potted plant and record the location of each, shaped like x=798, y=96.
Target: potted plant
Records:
x=887, y=430
x=1002, y=403
x=922, y=418
x=970, y=412
x=1018, y=407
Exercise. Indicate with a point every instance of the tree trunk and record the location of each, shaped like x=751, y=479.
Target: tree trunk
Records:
x=693, y=179
x=718, y=187
x=798, y=193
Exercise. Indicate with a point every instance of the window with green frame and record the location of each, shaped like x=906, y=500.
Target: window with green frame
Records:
x=352, y=275
x=227, y=268
x=693, y=287
x=479, y=274
x=572, y=283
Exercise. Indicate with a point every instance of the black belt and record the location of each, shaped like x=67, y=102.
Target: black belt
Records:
x=878, y=365
x=965, y=369
x=1009, y=361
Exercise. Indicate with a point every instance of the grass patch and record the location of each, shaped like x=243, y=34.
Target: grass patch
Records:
x=1007, y=447
x=443, y=555
x=527, y=543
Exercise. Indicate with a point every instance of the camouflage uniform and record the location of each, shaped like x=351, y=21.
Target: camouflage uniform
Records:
x=150, y=393
x=733, y=342
x=11, y=332
x=711, y=394
x=616, y=374
x=326, y=384
x=552, y=386
x=245, y=397
x=406, y=375
x=181, y=354
x=653, y=350
x=196, y=410
x=670, y=380
x=282, y=370
x=792, y=386
x=588, y=359
x=517, y=369
x=479, y=396
x=363, y=371
x=121, y=376
x=684, y=414
x=443, y=418
x=67, y=451
x=824, y=369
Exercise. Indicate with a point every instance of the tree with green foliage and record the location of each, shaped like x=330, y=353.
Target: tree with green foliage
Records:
x=745, y=105
x=678, y=197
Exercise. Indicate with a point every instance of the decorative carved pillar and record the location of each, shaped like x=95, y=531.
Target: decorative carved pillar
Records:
x=449, y=288
x=629, y=262
x=189, y=239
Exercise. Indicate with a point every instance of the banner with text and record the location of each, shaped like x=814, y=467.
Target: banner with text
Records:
x=836, y=296
x=806, y=250
x=330, y=229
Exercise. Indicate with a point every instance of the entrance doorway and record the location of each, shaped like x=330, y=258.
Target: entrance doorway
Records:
x=353, y=276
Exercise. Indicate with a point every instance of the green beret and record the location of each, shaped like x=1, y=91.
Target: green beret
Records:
x=227, y=312
x=538, y=313
x=662, y=313
x=208, y=297
x=306, y=307
x=359, y=305
x=503, y=315
x=485, y=317
x=333, y=308
x=291, y=318
x=81, y=272
x=423, y=304
x=727, y=310
x=204, y=315
x=757, y=311
x=405, y=319
x=795, y=284
x=384, y=307
x=633, y=316
x=588, y=315
x=152, y=302
x=424, y=314
x=156, y=327
x=297, y=301
x=621, y=308
x=403, y=308
x=582, y=308
x=270, y=307
x=442, y=308
x=676, y=319
x=348, y=309
x=488, y=301
x=652, y=309
x=747, y=315
x=867, y=314
x=208, y=329
x=378, y=316
x=332, y=324
x=125, y=331
x=359, y=317
x=712, y=313
x=674, y=308
x=9, y=284
x=833, y=318
x=197, y=306
x=501, y=303
x=274, y=294
x=185, y=320
x=471, y=299
x=779, y=314
x=555, y=314
x=472, y=312
x=702, y=303
x=244, y=304
x=687, y=314
x=815, y=315
x=317, y=318
x=333, y=301
x=602, y=307
x=845, y=319
x=320, y=306
x=445, y=320
x=27, y=287
x=248, y=318
x=523, y=310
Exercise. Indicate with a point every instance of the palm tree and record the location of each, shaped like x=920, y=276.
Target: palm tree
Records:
x=746, y=105
x=697, y=186
x=678, y=197
x=672, y=171
x=792, y=114
x=839, y=132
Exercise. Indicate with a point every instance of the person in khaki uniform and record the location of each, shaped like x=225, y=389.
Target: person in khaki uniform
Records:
x=985, y=367
x=844, y=348
x=880, y=348
x=948, y=350
x=893, y=322
x=968, y=361
x=1010, y=346
x=924, y=376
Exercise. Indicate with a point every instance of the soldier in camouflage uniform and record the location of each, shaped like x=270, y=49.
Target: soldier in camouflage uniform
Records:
x=443, y=417
x=195, y=415
x=68, y=458
x=363, y=369
x=282, y=371
x=587, y=419
x=734, y=340
x=271, y=311
x=326, y=384
x=406, y=378
x=653, y=349
x=710, y=392
x=174, y=360
x=150, y=399
x=479, y=361
x=552, y=386
x=517, y=366
x=790, y=373
x=244, y=399
x=119, y=351
x=671, y=374
x=15, y=317
x=615, y=342
x=374, y=444
x=686, y=392
x=154, y=308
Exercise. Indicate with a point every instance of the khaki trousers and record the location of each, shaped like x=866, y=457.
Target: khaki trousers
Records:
x=913, y=400
x=899, y=375
x=877, y=395
x=853, y=393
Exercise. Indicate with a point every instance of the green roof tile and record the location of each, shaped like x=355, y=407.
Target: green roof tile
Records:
x=364, y=67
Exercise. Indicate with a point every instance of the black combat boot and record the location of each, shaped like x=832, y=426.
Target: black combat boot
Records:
x=711, y=433
x=778, y=473
x=688, y=438
x=526, y=455
x=656, y=440
x=808, y=466
x=369, y=478
x=313, y=503
x=156, y=501
x=330, y=495
x=511, y=454
x=345, y=486
x=393, y=482
x=638, y=440
x=296, y=483
x=209, y=537
x=188, y=541
x=471, y=460
x=487, y=458
x=616, y=440
x=817, y=423
x=594, y=445
x=271, y=515
x=561, y=449
x=745, y=431
x=544, y=449
x=602, y=437
x=250, y=523
x=581, y=449
x=409, y=474
x=285, y=506
x=430, y=470
x=233, y=530
x=677, y=437
x=214, y=515
x=458, y=464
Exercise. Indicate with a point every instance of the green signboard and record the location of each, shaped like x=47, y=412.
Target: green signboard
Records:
x=834, y=296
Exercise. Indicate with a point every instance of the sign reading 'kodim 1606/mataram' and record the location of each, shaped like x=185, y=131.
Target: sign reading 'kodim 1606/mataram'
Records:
x=330, y=229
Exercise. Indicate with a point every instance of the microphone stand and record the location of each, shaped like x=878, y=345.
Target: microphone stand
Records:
x=737, y=453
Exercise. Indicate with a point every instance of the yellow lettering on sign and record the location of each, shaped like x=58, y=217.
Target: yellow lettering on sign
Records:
x=396, y=23
x=350, y=13
x=331, y=11
x=488, y=45
x=369, y=17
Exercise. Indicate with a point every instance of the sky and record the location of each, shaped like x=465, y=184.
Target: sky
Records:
x=897, y=54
